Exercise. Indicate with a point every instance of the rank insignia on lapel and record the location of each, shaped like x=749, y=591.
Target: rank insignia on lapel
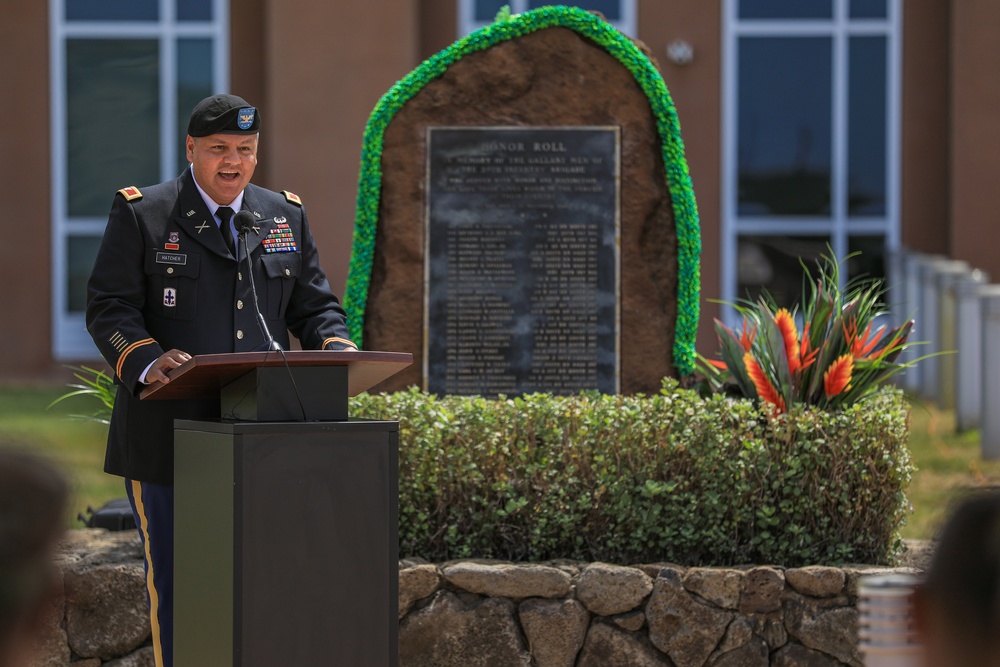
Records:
x=130, y=193
x=169, y=297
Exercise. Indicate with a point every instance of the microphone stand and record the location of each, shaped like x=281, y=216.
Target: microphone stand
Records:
x=261, y=322
x=244, y=222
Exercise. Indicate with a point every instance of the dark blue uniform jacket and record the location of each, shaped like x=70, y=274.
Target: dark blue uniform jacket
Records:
x=164, y=279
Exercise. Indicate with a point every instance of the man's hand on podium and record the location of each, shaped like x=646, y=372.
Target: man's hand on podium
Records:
x=165, y=363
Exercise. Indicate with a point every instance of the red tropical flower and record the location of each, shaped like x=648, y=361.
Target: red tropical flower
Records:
x=807, y=356
x=862, y=346
x=746, y=338
x=841, y=356
x=764, y=388
x=786, y=325
x=837, y=377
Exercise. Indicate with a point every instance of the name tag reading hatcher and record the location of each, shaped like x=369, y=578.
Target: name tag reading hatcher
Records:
x=171, y=258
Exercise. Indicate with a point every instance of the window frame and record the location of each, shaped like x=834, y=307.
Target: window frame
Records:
x=69, y=337
x=628, y=24
x=839, y=226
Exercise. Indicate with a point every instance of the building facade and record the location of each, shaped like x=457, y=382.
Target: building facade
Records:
x=862, y=125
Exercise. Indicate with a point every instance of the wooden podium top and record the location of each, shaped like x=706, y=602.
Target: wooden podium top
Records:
x=204, y=375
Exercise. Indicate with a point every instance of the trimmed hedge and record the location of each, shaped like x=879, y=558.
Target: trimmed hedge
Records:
x=629, y=479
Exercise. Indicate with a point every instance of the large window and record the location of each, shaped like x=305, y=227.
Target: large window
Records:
x=475, y=14
x=125, y=75
x=811, y=140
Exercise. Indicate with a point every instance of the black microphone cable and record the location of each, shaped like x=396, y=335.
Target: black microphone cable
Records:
x=244, y=221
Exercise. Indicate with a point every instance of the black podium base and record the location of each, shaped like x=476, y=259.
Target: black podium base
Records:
x=286, y=544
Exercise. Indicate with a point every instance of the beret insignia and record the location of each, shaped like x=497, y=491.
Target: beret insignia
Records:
x=244, y=118
x=292, y=197
x=130, y=193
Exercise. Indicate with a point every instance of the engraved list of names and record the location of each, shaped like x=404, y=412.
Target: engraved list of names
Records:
x=522, y=260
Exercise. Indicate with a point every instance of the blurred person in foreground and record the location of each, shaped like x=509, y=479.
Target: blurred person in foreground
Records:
x=957, y=607
x=33, y=496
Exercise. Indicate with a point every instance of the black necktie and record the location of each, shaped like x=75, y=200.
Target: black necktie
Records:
x=226, y=214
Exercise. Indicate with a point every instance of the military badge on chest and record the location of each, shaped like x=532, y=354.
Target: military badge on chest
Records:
x=169, y=297
x=172, y=242
x=280, y=239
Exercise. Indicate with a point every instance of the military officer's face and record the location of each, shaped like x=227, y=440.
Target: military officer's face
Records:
x=223, y=163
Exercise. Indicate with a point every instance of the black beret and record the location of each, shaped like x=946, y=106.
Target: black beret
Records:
x=223, y=114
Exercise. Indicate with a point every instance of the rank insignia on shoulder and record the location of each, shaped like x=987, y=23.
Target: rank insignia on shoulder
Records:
x=291, y=196
x=130, y=193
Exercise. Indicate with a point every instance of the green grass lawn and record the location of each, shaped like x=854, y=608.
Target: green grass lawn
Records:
x=76, y=446
x=947, y=463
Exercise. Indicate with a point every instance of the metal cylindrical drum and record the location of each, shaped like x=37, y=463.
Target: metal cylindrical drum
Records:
x=989, y=297
x=909, y=308
x=969, y=346
x=947, y=277
x=925, y=326
x=887, y=634
x=930, y=305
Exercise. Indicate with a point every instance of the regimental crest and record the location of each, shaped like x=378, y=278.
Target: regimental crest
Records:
x=245, y=117
x=174, y=237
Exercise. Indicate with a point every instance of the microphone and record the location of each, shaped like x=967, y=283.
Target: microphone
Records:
x=244, y=222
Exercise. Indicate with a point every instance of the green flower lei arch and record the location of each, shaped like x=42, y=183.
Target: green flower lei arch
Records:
x=646, y=75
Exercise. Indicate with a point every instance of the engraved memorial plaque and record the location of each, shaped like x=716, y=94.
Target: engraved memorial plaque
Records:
x=522, y=262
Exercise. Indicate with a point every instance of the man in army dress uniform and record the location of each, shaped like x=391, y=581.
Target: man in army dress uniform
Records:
x=170, y=282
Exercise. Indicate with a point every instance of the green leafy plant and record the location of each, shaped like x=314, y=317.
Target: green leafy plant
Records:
x=841, y=355
x=673, y=476
x=95, y=384
x=638, y=479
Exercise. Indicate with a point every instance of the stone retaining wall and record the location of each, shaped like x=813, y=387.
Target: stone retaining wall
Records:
x=490, y=614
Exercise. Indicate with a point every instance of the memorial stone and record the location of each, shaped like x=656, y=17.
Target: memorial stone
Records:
x=465, y=294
